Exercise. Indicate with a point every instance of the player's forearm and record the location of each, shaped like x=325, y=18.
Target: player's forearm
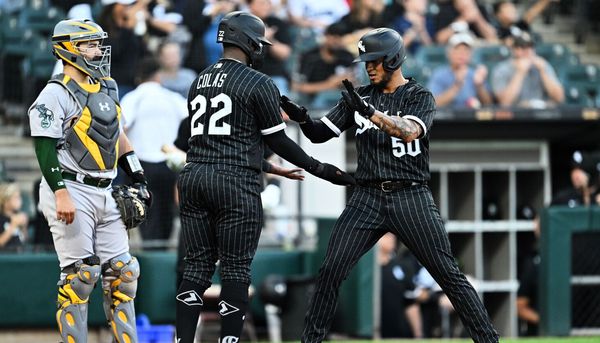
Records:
x=405, y=129
x=45, y=151
x=290, y=151
x=316, y=131
x=124, y=144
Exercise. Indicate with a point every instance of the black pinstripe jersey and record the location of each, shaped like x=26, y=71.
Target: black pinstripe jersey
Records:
x=380, y=156
x=230, y=106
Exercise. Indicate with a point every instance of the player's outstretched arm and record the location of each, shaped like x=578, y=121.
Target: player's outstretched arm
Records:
x=292, y=174
x=395, y=126
x=287, y=149
x=315, y=130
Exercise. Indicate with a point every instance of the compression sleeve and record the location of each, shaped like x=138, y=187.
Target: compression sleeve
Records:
x=45, y=150
x=317, y=131
x=283, y=146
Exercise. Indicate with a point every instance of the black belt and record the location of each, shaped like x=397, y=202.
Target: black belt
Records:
x=88, y=180
x=390, y=186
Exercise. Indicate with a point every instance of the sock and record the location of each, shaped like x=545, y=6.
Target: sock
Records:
x=232, y=307
x=189, y=304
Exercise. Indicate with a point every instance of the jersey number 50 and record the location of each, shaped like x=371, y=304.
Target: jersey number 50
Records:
x=400, y=148
x=199, y=106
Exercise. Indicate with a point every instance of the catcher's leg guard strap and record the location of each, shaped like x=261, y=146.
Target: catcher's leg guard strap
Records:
x=119, y=283
x=73, y=294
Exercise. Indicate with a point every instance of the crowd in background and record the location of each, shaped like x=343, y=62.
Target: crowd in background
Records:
x=159, y=46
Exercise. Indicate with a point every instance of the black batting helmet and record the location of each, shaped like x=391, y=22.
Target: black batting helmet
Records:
x=382, y=42
x=245, y=31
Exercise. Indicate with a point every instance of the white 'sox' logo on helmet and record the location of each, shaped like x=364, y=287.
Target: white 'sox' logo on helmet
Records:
x=361, y=46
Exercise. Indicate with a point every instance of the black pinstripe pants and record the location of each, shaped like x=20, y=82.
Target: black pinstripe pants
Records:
x=412, y=215
x=221, y=219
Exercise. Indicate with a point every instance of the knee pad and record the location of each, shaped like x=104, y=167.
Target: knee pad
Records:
x=73, y=295
x=119, y=284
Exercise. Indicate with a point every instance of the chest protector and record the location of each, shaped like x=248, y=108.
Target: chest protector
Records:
x=92, y=138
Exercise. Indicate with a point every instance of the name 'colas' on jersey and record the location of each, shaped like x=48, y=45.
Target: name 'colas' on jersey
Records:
x=230, y=106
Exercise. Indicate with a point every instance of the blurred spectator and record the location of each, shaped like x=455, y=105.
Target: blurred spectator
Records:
x=196, y=23
x=400, y=315
x=507, y=18
x=161, y=18
x=459, y=84
x=462, y=16
x=415, y=26
x=316, y=14
x=526, y=79
x=75, y=9
x=278, y=33
x=118, y=18
x=215, y=10
x=364, y=16
x=13, y=221
x=151, y=116
x=323, y=69
x=172, y=76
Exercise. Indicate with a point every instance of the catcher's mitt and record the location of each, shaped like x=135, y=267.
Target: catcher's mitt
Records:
x=132, y=207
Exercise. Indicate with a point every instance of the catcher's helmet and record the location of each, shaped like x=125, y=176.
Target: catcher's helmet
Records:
x=247, y=32
x=382, y=42
x=68, y=34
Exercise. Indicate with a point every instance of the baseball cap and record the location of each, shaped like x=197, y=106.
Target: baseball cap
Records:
x=122, y=2
x=461, y=38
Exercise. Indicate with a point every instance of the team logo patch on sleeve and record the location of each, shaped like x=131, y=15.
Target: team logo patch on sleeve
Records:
x=46, y=115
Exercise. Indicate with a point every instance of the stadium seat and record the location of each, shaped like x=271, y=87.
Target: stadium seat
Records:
x=582, y=73
x=558, y=55
x=582, y=94
x=40, y=62
x=431, y=56
x=41, y=20
x=490, y=55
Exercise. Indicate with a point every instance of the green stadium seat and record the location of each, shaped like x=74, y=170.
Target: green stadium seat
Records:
x=582, y=73
x=41, y=20
x=40, y=62
x=490, y=55
x=583, y=94
x=431, y=56
x=558, y=55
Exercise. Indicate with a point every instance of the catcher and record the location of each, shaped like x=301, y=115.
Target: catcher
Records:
x=79, y=143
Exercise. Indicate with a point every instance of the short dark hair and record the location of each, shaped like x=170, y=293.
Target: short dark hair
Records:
x=147, y=68
x=523, y=40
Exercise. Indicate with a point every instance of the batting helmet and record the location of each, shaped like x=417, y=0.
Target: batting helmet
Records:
x=247, y=32
x=382, y=42
x=68, y=34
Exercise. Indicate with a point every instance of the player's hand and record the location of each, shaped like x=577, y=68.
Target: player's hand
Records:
x=65, y=209
x=355, y=102
x=333, y=174
x=292, y=174
x=296, y=112
x=143, y=193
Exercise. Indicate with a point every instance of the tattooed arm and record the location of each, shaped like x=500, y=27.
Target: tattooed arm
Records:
x=395, y=126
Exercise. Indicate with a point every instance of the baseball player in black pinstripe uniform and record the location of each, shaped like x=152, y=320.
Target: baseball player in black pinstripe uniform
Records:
x=393, y=115
x=233, y=110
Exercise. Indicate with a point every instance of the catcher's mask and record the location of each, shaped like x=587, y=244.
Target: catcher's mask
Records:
x=68, y=34
x=247, y=32
x=382, y=43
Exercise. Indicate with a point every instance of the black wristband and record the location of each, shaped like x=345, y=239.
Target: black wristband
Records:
x=130, y=164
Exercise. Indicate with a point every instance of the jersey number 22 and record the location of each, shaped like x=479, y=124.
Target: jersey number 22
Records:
x=199, y=106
